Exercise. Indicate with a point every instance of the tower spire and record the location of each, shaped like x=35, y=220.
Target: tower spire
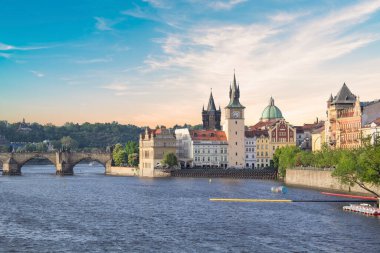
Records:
x=211, y=103
x=234, y=94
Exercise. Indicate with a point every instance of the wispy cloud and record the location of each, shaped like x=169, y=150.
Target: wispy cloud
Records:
x=37, y=73
x=4, y=55
x=103, y=24
x=224, y=4
x=5, y=47
x=273, y=57
x=94, y=60
x=158, y=3
x=138, y=12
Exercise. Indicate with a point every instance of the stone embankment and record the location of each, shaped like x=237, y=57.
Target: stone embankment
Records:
x=227, y=173
x=319, y=178
x=123, y=171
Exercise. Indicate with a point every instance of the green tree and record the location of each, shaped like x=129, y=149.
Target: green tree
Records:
x=119, y=155
x=133, y=159
x=132, y=147
x=69, y=143
x=170, y=160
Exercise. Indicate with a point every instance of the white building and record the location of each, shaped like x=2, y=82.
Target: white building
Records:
x=372, y=131
x=250, y=149
x=201, y=148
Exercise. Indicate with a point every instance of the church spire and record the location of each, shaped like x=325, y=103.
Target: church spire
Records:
x=211, y=103
x=234, y=95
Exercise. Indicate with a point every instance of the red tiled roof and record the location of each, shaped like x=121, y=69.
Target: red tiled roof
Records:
x=208, y=135
x=256, y=132
x=262, y=124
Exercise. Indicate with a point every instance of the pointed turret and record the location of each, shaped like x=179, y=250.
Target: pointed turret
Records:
x=211, y=103
x=211, y=116
x=344, y=96
x=234, y=95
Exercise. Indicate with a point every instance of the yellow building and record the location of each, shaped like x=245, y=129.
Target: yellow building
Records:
x=154, y=144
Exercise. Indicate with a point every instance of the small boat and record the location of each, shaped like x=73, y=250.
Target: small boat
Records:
x=91, y=164
x=366, y=209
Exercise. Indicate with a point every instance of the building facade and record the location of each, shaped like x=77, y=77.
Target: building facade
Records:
x=153, y=145
x=372, y=131
x=209, y=148
x=201, y=148
x=304, y=134
x=211, y=116
x=346, y=116
x=250, y=149
x=234, y=128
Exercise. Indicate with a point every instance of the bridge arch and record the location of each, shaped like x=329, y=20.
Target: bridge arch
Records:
x=46, y=156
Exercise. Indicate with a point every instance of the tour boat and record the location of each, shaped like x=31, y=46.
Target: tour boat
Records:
x=366, y=209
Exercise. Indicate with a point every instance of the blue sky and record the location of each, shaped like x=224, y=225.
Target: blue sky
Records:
x=154, y=61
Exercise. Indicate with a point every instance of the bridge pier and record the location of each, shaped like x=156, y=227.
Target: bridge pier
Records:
x=11, y=167
x=64, y=169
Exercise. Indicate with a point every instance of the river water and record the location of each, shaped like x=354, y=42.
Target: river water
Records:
x=91, y=212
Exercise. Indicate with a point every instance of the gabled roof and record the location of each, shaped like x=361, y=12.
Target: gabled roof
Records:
x=256, y=133
x=344, y=96
x=208, y=135
x=262, y=125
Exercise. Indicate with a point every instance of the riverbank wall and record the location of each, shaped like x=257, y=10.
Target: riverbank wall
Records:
x=123, y=171
x=227, y=173
x=320, y=179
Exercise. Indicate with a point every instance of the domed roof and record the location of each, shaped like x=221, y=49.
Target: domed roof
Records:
x=271, y=111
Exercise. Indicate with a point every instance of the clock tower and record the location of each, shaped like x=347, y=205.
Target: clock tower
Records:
x=234, y=128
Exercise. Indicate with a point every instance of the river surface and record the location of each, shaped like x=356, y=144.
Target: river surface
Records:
x=91, y=212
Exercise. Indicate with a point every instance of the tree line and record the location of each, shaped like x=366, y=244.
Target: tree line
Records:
x=78, y=136
x=359, y=166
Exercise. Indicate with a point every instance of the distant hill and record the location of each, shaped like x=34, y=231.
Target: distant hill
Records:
x=87, y=135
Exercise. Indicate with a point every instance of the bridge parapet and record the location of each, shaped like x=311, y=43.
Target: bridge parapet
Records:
x=63, y=161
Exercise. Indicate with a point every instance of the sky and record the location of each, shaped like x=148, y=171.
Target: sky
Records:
x=154, y=62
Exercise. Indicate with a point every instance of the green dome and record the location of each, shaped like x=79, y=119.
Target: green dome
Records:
x=271, y=111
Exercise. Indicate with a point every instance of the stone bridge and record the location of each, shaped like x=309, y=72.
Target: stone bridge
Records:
x=64, y=161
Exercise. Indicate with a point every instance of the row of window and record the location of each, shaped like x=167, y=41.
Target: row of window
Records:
x=209, y=159
x=210, y=151
x=249, y=149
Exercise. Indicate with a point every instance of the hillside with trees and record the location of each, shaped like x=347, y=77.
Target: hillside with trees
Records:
x=80, y=136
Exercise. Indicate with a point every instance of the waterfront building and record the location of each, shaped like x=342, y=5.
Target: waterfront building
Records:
x=318, y=138
x=346, y=115
x=372, y=131
x=202, y=148
x=211, y=116
x=250, y=149
x=234, y=128
x=304, y=134
x=275, y=132
x=257, y=149
x=153, y=145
